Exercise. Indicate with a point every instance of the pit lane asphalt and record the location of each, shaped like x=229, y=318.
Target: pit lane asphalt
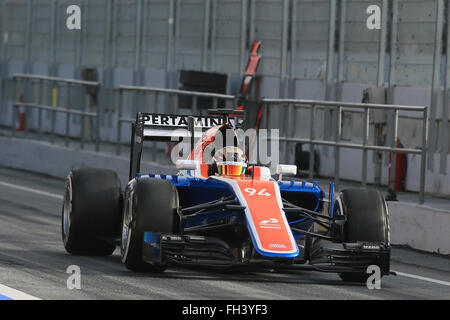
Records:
x=33, y=260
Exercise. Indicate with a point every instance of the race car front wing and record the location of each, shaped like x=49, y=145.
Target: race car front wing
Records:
x=325, y=256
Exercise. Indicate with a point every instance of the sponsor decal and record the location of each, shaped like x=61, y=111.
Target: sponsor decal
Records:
x=270, y=223
x=266, y=221
x=277, y=245
x=371, y=247
x=180, y=121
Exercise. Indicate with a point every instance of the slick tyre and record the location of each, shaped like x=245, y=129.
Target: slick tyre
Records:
x=150, y=205
x=366, y=220
x=91, y=212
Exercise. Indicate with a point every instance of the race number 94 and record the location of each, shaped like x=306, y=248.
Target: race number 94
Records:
x=253, y=191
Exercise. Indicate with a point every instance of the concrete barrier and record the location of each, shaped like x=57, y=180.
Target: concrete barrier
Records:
x=56, y=161
x=417, y=226
x=420, y=227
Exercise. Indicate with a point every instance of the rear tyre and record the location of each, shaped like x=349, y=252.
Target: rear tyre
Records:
x=91, y=212
x=150, y=205
x=366, y=220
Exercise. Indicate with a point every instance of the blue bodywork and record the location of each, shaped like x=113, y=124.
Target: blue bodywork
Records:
x=194, y=191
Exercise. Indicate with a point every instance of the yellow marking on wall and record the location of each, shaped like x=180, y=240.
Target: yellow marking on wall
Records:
x=54, y=97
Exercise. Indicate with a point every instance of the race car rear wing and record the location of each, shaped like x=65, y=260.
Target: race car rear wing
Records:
x=165, y=127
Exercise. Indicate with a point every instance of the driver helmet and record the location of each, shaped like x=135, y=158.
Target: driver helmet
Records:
x=230, y=161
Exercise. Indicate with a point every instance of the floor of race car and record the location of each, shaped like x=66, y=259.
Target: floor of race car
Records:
x=33, y=261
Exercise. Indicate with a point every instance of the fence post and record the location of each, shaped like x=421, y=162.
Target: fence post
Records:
x=284, y=43
x=424, y=156
x=365, y=141
x=13, y=110
x=392, y=68
x=341, y=55
x=337, y=148
x=382, y=43
x=444, y=135
x=83, y=120
x=13, y=118
x=206, y=28
x=119, y=123
x=52, y=138
x=3, y=57
x=435, y=84
x=97, y=118
x=28, y=96
x=445, y=107
x=170, y=36
x=393, y=164
x=69, y=99
x=155, y=110
x=194, y=104
x=287, y=130
x=311, y=143
x=251, y=35
x=243, y=33
x=40, y=110
x=329, y=70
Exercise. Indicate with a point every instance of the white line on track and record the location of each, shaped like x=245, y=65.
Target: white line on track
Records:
x=413, y=276
x=15, y=294
x=36, y=191
x=5, y=290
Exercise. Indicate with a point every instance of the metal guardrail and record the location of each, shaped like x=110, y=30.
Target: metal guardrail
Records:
x=26, y=101
x=157, y=92
x=54, y=79
x=290, y=104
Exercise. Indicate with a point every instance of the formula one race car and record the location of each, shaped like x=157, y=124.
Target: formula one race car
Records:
x=221, y=213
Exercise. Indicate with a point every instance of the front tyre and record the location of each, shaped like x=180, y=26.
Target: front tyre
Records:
x=366, y=221
x=90, y=219
x=150, y=205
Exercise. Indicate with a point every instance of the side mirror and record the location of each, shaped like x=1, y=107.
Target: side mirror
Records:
x=286, y=169
x=187, y=164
